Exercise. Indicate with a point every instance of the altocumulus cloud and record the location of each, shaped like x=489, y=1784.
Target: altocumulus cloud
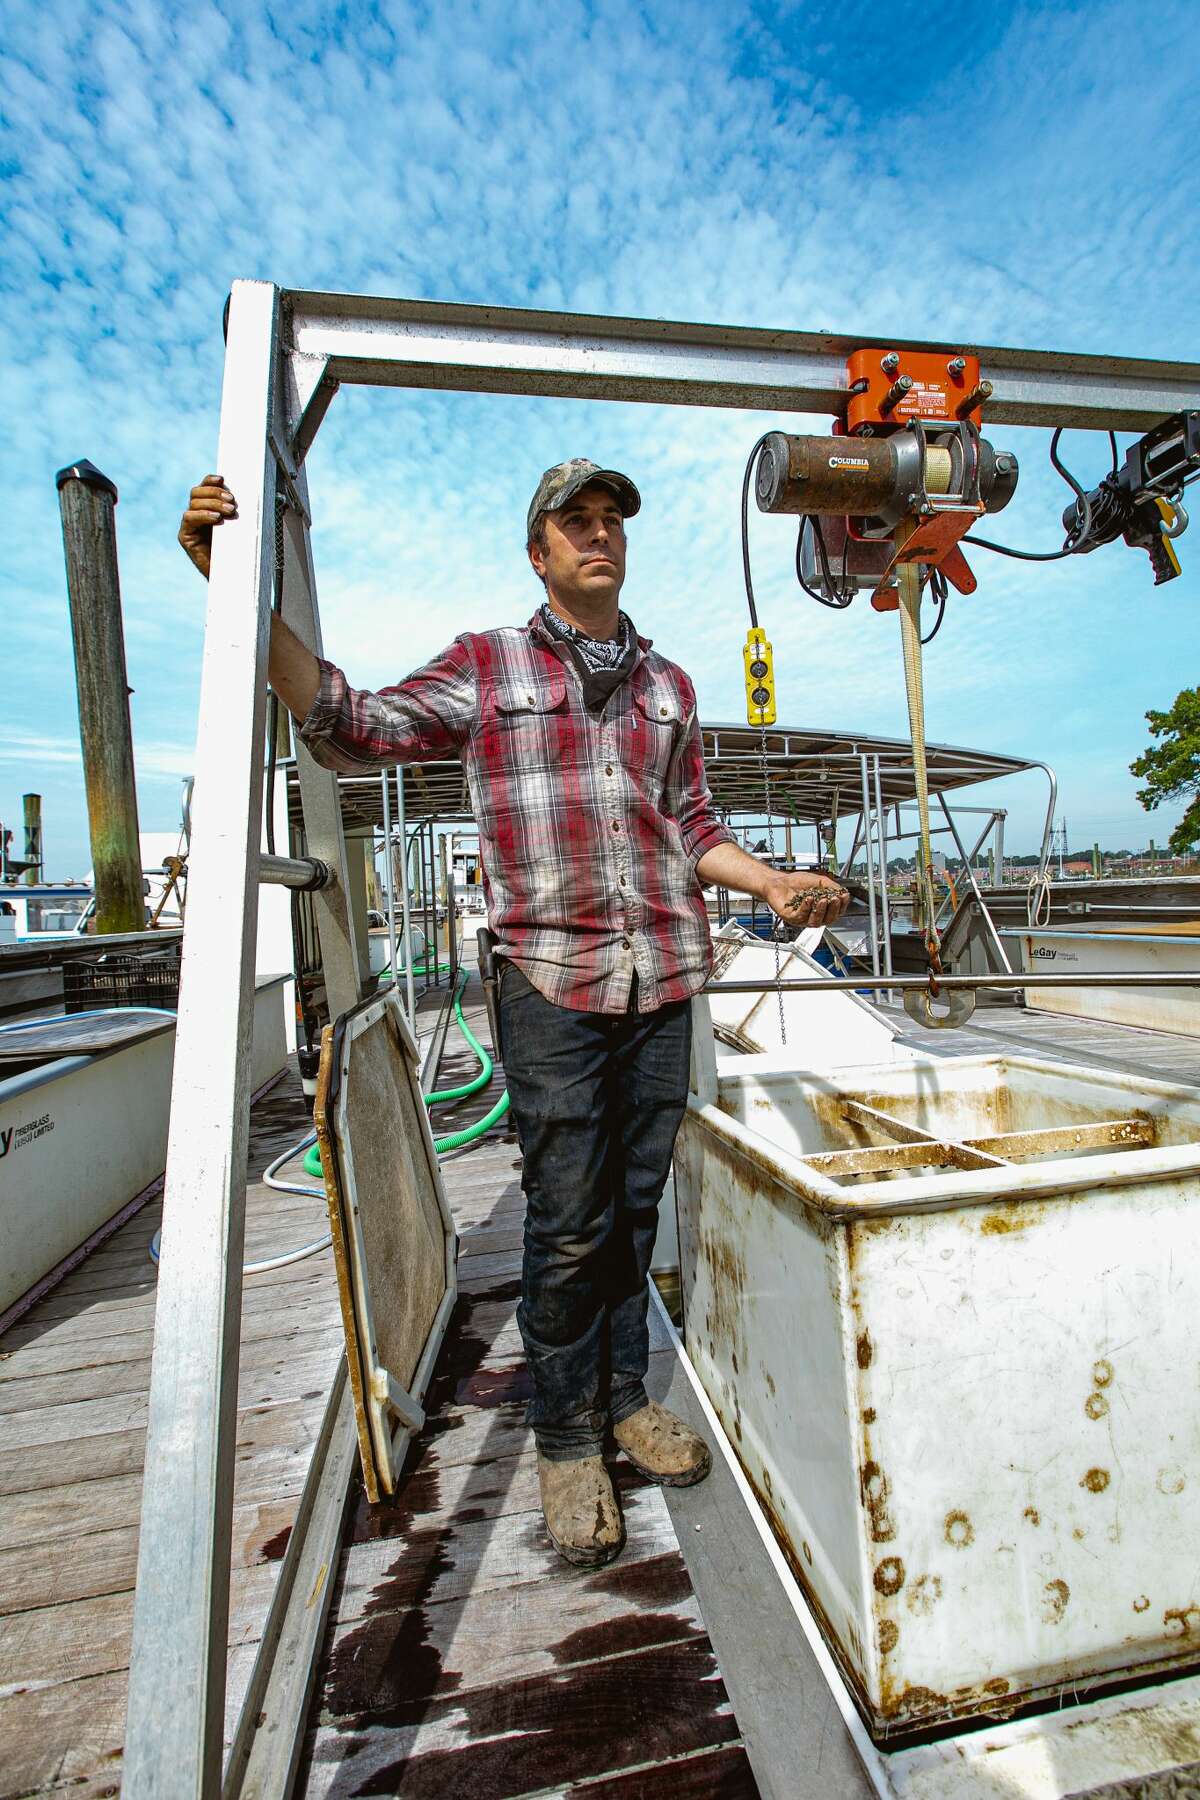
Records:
x=752, y=165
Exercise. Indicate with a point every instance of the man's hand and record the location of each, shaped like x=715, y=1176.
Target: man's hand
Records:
x=210, y=504
x=293, y=670
x=802, y=899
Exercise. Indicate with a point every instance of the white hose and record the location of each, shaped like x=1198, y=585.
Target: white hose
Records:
x=285, y=1187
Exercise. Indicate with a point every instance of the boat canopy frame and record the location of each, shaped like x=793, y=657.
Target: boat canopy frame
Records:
x=287, y=352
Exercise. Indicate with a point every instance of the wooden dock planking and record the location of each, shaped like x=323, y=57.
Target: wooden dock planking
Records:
x=73, y=1379
x=1024, y=1031
x=586, y=1719
x=82, y=1755
x=462, y=1653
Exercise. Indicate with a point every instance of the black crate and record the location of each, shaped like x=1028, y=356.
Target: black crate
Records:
x=121, y=981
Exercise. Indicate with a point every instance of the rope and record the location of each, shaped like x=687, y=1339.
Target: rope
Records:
x=1037, y=899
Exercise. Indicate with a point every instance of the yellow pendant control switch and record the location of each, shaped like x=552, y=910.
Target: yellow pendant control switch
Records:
x=760, y=678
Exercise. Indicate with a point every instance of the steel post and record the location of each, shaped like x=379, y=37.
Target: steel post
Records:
x=176, y=1710
x=87, y=501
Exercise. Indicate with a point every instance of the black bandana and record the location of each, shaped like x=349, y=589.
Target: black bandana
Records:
x=603, y=663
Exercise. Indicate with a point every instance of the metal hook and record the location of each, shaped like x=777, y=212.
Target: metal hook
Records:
x=919, y=1004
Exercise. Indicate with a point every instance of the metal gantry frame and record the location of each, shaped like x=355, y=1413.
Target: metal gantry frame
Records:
x=286, y=355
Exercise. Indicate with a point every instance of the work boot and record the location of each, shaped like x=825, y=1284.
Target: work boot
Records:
x=662, y=1448
x=582, y=1515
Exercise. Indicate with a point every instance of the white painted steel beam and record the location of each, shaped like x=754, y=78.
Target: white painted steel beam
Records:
x=502, y=350
x=175, y=1724
x=341, y=954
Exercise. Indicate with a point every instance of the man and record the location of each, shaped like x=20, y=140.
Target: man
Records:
x=582, y=751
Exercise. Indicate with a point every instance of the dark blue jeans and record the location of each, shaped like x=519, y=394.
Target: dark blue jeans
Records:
x=597, y=1099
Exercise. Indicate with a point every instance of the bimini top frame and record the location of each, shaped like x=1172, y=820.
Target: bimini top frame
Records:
x=807, y=767
x=286, y=354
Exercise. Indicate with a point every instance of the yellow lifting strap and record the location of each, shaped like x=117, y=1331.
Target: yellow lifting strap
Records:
x=960, y=1004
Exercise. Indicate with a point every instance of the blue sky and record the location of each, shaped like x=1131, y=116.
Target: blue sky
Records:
x=1011, y=174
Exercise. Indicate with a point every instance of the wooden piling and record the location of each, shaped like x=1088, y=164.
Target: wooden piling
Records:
x=87, y=500
x=34, y=871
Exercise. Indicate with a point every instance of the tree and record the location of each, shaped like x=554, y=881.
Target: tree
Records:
x=1171, y=768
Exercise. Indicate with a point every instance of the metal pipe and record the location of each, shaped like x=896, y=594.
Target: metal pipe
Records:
x=848, y=864
x=1048, y=828
x=405, y=904
x=388, y=887
x=988, y=920
x=871, y=910
x=1000, y=848
x=881, y=828
x=974, y=851
x=451, y=923
x=921, y=983
x=87, y=500
x=431, y=948
x=303, y=874
x=437, y=960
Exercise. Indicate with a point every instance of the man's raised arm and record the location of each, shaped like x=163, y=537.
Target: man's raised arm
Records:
x=292, y=669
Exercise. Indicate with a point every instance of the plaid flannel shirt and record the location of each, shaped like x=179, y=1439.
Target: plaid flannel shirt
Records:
x=590, y=823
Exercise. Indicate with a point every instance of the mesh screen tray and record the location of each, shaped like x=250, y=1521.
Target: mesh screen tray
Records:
x=394, y=1243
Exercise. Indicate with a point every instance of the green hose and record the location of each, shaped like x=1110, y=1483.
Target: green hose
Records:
x=421, y=968
x=458, y=1139
x=486, y=1065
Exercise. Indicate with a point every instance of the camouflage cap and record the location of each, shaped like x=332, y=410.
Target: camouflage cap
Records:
x=564, y=480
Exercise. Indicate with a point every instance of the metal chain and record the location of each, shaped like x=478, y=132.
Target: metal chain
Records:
x=766, y=769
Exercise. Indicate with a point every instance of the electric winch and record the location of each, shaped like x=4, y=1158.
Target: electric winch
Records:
x=885, y=502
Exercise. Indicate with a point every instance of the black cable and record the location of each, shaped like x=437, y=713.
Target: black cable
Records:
x=1080, y=537
x=1076, y=542
x=746, y=527
x=299, y=959
x=841, y=598
x=939, y=589
x=1023, y=555
x=839, y=595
